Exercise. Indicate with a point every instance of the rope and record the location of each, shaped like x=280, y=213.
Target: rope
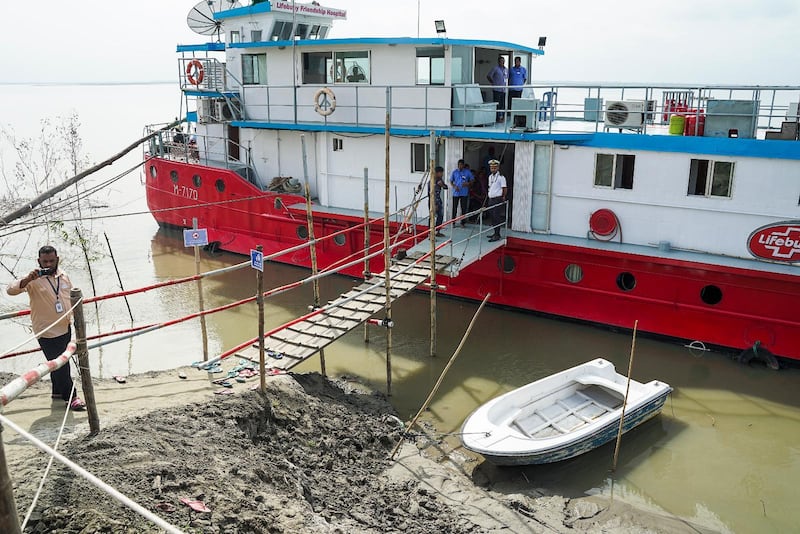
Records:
x=93, y=480
x=49, y=464
x=35, y=335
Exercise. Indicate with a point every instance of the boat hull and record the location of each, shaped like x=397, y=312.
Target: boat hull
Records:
x=529, y=273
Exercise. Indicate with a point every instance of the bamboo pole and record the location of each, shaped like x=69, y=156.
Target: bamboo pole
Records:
x=441, y=376
x=625, y=402
x=9, y=521
x=76, y=296
x=200, y=294
x=386, y=250
x=314, y=269
x=116, y=269
x=367, y=274
x=262, y=363
x=432, y=237
x=28, y=207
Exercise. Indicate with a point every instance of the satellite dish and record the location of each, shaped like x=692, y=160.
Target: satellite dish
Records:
x=201, y=17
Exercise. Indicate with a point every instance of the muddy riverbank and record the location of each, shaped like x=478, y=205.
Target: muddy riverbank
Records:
x=310, y=456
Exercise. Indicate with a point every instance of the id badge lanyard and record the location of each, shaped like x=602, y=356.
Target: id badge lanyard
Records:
x=56, y=290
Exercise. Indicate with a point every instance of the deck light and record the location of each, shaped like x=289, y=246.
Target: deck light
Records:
x=542, y=42
x=440, y=26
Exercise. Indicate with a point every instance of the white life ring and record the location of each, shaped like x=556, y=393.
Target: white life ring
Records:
x=324, y=102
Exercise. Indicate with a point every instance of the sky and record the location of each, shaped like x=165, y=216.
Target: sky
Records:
x=654, y=41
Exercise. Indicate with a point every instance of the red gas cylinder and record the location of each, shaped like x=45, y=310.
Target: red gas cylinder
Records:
x=694, y=121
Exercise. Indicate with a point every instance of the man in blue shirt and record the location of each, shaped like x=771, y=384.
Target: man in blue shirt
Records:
x=461, y=179
x=517, y=77
x=498, y=77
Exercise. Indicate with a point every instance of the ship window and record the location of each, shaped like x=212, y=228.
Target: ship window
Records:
x=301, y=32
x=355, y=66
x=153, y=171
x=573, y=273
x=506, y=264
x=278, y=203
x=173, y=175
x=302, y=232
x=255, y=36
x=626, y=281
x=710, y=178
x=614, y=170
x=420, y=157
x=711, y=295
x=340, y=239
x=196, y=180
x=430, y=66
x=338, y=144
x=235, y=38
x=254, y=69
x=281, y=31
x=220, y=185
x=314, y=33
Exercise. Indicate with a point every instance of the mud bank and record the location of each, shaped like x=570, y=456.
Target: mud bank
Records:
x=310, y=456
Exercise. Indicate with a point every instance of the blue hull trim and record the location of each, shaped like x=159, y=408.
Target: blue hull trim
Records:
x=603, y=436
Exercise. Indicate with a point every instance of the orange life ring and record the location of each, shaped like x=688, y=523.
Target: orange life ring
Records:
x=194, y=72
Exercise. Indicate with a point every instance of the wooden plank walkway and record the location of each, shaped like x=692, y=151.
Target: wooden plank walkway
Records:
x=298, y=341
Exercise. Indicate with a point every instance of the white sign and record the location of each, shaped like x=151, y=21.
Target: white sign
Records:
x=197, y=237
x=257, y=260
x=311, y=9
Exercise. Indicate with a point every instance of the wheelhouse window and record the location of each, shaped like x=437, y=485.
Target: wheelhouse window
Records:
x=281, y=31
x=255, y=36
x=614, y=170
x=710, y=178
x=235, y=37
x=336, y=67
x=420, y=157
x=301, y=32
x=318, y=32
x=430, y=66
x=254, y=69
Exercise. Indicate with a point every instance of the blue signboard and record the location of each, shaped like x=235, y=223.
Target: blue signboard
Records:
x=197, y=237
x=257, y=260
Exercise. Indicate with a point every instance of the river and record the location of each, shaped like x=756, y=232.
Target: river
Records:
x=724, y=453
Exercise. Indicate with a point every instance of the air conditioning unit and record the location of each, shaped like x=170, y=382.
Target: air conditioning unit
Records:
x=224, y=112
x=625, y=113
x=206, y=111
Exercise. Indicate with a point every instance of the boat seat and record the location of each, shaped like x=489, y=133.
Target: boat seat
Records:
x=469, y=109
x=601, y=396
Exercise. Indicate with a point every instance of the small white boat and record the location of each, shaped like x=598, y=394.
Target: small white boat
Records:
x=560, y=416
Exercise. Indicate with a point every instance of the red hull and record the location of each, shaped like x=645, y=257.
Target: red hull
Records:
x=666, y=300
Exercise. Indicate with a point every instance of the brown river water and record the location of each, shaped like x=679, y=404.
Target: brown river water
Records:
x=724, y=453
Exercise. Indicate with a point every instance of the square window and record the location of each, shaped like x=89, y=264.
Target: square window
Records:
x=603, y=169
x=710, y=178
x=614, y=170
x=420, y=157
x=254, y=69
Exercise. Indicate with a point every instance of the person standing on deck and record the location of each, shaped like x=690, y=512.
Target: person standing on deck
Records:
x=498, y=77
x=517, y=77
x=461, y=179
x=48, y=290
x=438, y=181
x=497, y=195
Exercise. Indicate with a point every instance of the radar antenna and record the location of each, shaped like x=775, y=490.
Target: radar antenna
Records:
x=201, y=17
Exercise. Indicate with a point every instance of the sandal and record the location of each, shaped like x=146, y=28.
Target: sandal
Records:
x=77, y=405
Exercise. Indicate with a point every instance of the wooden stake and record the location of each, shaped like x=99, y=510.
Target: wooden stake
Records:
x=441, y=376
x=262, y=361
x=200, y=295
x=367, y=274
x=432, y=237
x=9, y=521
x=386, y=252
x=314, y=269
x=82, y=352
x=625, y=402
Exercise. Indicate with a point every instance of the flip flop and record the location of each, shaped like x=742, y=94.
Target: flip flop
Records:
x=274, y=354
x=120, y=379
x=182, y=375
x=222, y=382
x=165, y=507
x=224, y=392
x=197, y=506
x=241, y=380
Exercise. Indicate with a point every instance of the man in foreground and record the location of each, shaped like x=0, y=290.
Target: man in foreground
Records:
x=48, y=289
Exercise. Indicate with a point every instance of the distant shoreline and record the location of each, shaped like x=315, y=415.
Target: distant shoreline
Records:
x=62, y=83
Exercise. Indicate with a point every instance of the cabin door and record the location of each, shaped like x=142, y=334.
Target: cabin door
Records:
x=542, y=182
x=233, y=142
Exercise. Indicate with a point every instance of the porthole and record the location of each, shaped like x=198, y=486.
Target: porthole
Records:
x=173, y=175
x=626, y=281
x=278, y=203
x=220, y=185
x=506, y=264
x=711, y=295
x=153, y=172
x=302, y=232
x=340, y=239
x=196, y=180
x=573, y=273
